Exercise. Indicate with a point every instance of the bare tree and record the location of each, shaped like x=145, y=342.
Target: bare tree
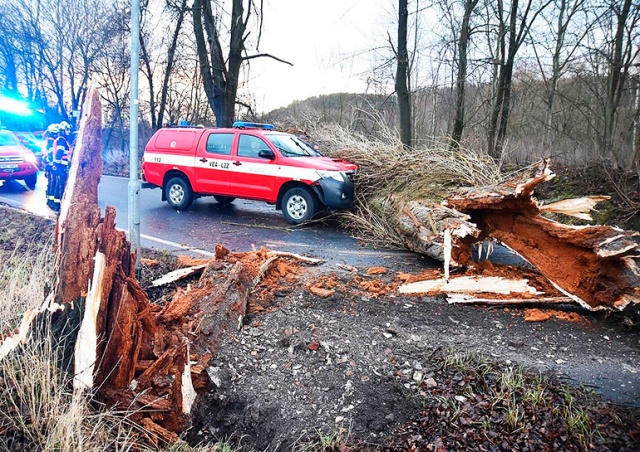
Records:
x=221, y=75
x=464, y=36
x=513, y=28
x=626, y=17
x=178, y=10
x=565, y=12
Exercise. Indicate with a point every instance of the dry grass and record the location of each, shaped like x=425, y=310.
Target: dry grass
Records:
x=38, y=409
x=390, y=172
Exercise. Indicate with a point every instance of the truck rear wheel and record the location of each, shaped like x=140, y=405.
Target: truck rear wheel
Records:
x=224, y=199
x=298, y=205
x=178, y=193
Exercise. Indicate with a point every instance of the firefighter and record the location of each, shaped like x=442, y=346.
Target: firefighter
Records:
x=62, y=158
x=48, y=153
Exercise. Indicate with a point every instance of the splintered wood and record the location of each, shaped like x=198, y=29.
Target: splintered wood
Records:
x=594, y=266
x=146, y=360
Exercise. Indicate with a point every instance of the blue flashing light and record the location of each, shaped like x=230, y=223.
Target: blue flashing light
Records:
x=184, y=123
x=14, y=106
x=252, y=125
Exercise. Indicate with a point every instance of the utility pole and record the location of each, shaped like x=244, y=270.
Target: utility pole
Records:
x=134, y=182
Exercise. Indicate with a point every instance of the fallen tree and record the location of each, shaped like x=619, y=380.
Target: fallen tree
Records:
x=440, y=202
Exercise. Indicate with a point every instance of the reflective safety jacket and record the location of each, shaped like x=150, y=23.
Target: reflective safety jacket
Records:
x=47, y=148
x=62, y=151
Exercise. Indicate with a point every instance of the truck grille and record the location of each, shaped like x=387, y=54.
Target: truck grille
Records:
x=11, y=159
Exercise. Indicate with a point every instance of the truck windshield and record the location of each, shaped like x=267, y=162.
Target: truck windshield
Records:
x=8, y=139
x=292, y=146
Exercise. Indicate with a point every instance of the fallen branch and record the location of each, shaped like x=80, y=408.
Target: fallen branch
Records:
x=469, y=299
x=470, y=284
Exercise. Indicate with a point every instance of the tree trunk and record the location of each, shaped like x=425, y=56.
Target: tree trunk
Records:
x=402, y=74
x=463, y=42
x=598, y=266
x=171, y=52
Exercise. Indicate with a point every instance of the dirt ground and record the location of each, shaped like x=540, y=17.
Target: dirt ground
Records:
x=327, y=352
x=355, y=361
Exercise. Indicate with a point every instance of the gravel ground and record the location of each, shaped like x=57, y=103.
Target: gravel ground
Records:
x=362, y=367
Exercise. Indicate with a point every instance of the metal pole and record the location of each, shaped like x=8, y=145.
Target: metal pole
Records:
x=134, y=182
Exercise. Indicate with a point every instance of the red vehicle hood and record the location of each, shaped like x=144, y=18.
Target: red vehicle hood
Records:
x=12, y=151
x=325, y=163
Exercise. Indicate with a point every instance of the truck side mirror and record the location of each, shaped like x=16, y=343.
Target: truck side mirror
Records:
x=267, y=154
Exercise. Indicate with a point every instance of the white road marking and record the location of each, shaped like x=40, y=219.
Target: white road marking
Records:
x=173, y=244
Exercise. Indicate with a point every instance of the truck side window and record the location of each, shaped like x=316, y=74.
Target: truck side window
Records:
x=219, y=143
x=250, y=146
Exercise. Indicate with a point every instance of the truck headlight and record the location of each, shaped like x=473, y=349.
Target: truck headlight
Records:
x=337, y=175
x=29, y=157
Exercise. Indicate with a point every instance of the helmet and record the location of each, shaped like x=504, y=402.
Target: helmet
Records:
x=53, y=128
x=64, y=125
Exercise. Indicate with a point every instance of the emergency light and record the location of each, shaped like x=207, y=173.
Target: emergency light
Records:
x=14, y=106
x=252, y=125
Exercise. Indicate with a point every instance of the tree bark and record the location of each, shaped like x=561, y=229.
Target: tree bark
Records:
x=402, y=74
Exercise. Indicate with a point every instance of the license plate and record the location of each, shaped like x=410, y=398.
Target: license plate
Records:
x=6, y=166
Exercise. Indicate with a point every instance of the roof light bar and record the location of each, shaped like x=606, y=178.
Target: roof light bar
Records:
x=252, y=125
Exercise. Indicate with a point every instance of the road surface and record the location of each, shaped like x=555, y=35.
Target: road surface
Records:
x=241, y=226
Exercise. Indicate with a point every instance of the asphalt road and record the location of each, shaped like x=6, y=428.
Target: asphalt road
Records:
x=241, y=226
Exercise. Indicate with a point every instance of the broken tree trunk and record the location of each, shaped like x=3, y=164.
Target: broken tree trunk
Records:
x=107, y=318
x=597, y=266
x=144, y=359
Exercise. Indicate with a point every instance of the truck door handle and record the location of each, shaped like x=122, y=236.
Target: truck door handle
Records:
x=203, y=160
x=236, y=163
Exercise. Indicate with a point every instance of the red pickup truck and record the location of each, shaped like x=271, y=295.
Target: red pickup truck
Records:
x=249, y=161
x=16, y=161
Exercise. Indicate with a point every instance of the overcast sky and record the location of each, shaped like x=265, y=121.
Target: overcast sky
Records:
x=326, y=40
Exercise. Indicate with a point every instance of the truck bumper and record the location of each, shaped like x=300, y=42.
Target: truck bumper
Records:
x=335, y=194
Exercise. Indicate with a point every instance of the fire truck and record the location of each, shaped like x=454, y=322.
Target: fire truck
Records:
x=247, y=161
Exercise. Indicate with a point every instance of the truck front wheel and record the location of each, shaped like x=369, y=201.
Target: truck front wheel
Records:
x=178, y=193
x=30, y=181
x=298, y=205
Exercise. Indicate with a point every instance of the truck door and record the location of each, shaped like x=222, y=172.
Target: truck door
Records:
x=213, y=163
x=253, y=176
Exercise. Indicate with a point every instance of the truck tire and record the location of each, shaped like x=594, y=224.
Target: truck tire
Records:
x=178, y=193
x=298, y=205
x=224, y=199
x=30, y=181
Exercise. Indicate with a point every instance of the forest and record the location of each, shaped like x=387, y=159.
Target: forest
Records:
x=517, y=79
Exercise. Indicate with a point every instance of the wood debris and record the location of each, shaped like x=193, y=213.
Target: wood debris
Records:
x=178, y=274
x=321, y=292
x=142, y=358
x=470, y=284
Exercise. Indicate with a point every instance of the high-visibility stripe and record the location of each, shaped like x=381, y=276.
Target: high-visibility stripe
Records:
x=246, y=166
